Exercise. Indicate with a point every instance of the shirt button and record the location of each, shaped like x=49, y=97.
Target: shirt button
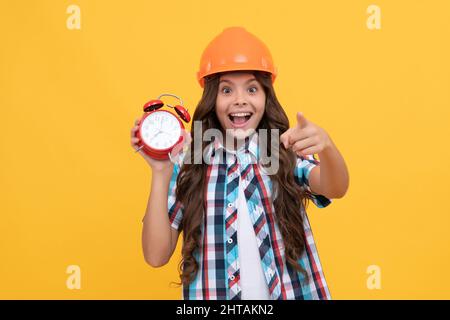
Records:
x=230, y=240
x=270, y=272
x=230, y=205
x=232, y=277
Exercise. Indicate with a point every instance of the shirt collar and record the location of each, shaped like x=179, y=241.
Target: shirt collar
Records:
x=250, y=146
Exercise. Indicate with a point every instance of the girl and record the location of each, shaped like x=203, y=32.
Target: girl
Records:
x=246, y=234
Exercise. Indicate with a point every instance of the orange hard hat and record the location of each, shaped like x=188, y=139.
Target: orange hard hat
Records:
x=235, y=49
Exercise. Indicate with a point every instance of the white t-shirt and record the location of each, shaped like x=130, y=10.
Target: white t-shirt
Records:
x=252, y=280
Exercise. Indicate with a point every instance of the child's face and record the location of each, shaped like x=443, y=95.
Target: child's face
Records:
x=240, y=102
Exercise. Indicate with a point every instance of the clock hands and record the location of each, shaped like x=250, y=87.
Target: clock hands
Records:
x=165, y=132
x=154, y=136
x=160, y=131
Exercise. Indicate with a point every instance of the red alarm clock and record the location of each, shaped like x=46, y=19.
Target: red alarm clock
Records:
x=161, y=130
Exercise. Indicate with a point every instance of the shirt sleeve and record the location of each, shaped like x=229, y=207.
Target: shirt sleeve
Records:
x=175, y=206
x=302, y=172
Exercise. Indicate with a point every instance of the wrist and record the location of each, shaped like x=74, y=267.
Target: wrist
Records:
x=163, y=172
x=328, y=145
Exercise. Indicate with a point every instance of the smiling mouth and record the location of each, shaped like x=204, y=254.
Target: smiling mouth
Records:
x=240, y=118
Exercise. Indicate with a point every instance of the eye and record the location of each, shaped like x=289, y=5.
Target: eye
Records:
x=225, y=88
x=254, y=88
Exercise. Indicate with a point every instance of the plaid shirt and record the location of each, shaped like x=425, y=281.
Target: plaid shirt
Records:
x=218, y=274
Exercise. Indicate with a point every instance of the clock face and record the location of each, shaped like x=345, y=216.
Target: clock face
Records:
x=160, y=130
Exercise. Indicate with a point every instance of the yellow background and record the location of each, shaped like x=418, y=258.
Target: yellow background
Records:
x=74, y=193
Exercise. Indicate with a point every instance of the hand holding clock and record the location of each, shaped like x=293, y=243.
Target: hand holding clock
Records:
x=157, y=165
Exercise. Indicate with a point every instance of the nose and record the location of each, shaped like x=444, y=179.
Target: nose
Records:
x=240, y=98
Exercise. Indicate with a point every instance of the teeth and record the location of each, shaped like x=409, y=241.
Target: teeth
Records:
x=241, y=114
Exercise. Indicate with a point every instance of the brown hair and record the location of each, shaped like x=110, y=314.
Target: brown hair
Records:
x=290, y=199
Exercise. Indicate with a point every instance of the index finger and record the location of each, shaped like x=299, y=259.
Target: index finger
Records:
x=133, y=131
x=296, y=135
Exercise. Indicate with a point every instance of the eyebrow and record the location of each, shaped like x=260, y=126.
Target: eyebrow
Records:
x=248, y=81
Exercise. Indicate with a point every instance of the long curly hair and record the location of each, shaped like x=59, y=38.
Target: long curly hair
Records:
x=290, y=198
